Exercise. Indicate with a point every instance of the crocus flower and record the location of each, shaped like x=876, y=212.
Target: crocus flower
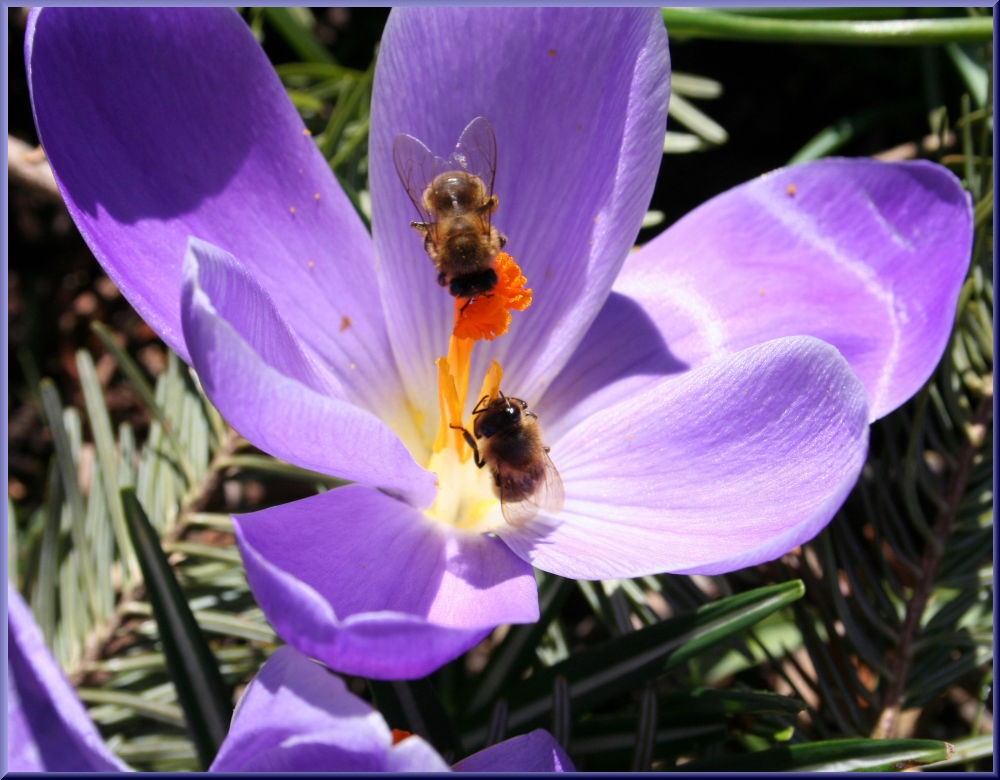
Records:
x=295, y=716
x=707, y=411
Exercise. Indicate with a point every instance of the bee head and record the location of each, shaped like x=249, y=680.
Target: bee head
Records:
x=500, y=415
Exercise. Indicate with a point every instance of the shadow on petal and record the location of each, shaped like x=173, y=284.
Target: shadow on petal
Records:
x=623, y=352
x=153, y=99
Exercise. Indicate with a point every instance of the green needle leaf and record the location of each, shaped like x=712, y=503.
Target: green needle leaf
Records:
x=201, y=692
x=703, y=23
x=517, y=651
x=839, y=755
x=71, y=487
x=131, y=370
x=293, y=25
x=626, y=661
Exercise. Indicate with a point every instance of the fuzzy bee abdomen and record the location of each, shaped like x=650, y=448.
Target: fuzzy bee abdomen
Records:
x=516, y=484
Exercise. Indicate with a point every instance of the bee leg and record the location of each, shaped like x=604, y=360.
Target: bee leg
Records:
x=490, y=205
x=480, y=406
x=531, y=414
x=421, y=226
x=502, y=239
x=547, y=450
x=442, y=280
x=472, y=443
x=466, y=304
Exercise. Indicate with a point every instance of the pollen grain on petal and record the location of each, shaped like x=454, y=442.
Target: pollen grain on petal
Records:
x=488, y=316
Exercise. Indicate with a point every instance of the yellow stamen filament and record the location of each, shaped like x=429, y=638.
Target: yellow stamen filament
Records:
x=465, y=497
x=491, y=382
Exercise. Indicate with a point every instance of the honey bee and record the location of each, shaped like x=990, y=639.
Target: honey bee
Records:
x=455, y=200
x=509, y=439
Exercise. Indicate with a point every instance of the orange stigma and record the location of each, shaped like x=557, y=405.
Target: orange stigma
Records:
x=488, y=316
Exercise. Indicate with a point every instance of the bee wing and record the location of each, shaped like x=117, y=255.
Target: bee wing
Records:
x=476, y=151
x=417, y=166
x=547, y=497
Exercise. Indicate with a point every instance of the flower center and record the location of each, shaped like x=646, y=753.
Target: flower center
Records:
x=465, y=496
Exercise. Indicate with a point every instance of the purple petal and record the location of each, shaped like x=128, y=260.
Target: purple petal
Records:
x=534, y=752
x=48, y=729
x=578, y=100
x=296, y=716
x=867, y=256
x=622, y=354
x=372, y=587
x=273, y=393
x=165, y=123
x=725, y=466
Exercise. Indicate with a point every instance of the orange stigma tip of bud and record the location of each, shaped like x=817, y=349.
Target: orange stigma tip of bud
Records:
x=398, y=735
x=488, y=316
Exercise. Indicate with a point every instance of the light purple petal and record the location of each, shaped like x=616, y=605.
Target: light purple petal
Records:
x=578, y=100
x=165, y=123
x=273, y=393
x=865, y=255
x=48, y=729
x=533, y=752
x=296, y=716
x=372, y=587
x=725, y=466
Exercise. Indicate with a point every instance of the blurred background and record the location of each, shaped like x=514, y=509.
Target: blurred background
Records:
x=882, y=627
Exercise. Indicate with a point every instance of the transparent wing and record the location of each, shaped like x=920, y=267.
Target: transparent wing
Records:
x=476, y=151
x=548, y=496
x=417, y=166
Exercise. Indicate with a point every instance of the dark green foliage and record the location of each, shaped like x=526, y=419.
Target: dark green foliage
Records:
x=193, y=669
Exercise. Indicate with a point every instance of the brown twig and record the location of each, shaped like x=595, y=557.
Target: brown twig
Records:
x=27, y=165
x=914, y=149
x=941, y=532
